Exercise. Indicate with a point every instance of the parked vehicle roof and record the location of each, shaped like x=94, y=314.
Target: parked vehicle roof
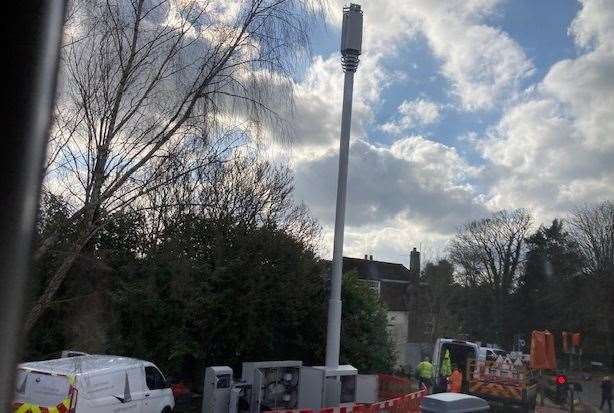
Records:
x=453, y=403
x=493, y=349
x=82, y=364
x=457, y=341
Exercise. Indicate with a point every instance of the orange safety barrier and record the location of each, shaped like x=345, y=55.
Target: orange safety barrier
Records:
x=542, y=350
x=344, y=409
x=408, y=403
x=390, y=386
x=575, y=339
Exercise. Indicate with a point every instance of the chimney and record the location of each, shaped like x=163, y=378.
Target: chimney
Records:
x=370, y=257
x=414, y=262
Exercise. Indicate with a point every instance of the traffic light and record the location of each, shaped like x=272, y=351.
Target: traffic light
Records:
x=560, y=381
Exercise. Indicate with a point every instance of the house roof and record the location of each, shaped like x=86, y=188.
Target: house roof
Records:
x=377, y=270
x=393, y=278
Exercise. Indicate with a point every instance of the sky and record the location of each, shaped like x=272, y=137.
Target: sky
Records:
x=461, y=108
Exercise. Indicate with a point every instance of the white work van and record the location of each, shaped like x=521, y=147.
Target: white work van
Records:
x=461, y=351
x=92, y=384
x=490, y=353
x=503, y=384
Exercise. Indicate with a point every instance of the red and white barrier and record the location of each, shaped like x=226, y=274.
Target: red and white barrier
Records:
x=390, y=387
x=408, y=403
x=344, y=409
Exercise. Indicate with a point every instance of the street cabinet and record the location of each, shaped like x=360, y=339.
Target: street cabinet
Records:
x=323, y=387
x=217, y=389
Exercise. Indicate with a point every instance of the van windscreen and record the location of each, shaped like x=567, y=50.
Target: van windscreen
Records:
x=41, y=389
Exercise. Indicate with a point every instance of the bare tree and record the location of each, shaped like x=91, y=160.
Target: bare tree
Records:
x=439, y=280
x=145, y=85
x=489, y=252
x=241, y=190
x=593, y=230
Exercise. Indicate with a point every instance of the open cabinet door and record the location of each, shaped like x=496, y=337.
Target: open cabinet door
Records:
x=436, y=358
x=256, y=404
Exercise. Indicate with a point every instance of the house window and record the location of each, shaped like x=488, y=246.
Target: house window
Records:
x=428, y=328
x=374, y=285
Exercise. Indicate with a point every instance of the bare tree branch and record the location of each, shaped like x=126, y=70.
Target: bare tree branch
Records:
x=134, y=76
x=489, y=252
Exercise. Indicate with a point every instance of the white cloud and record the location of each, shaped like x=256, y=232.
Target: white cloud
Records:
x=435, y=164
x=416, y=185
x=556, y=148
x=390, y=240
x=593, y=24
x=552, y=148
x=418, y=112
x=482, y=63
x=585, y=87
x=415, y=190
x=315, y=116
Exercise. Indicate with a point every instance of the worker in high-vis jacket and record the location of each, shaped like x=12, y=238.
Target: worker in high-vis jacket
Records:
x=424, y=371
x=456, y=380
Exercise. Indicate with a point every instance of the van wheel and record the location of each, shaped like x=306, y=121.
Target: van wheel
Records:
x=167, y=410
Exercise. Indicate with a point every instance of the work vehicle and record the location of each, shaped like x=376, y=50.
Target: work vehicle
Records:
x=453, y=403
x=490, y=353
x=92, y=384
x=504, y=381
x=501, y=381
x=461, y=351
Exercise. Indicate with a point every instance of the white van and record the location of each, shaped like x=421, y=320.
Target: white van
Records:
x=92, y=384
x=490, y=353
x=461, y=351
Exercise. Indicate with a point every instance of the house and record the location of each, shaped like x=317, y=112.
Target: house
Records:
x=400, y=290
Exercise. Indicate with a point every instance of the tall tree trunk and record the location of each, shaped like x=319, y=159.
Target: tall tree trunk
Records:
x=610, y=330
x=499, y=318
x=55, y=282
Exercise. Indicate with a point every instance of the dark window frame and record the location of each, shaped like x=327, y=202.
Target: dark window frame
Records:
x=159, y=382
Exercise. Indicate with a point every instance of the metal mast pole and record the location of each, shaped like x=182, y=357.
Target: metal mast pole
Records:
x=351, y=42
